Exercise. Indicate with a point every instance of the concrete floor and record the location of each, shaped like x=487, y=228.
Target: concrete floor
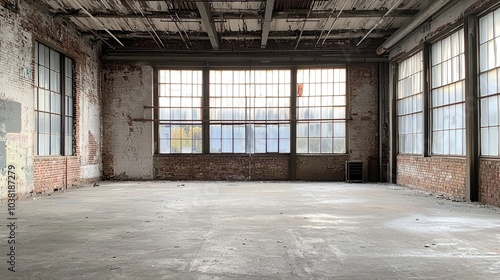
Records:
x=251, y=230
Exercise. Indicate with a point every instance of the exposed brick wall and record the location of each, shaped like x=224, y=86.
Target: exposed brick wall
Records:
x=53, y=173
x=19, y=31
x=489, y=181
x=321, y=167
x=127, y=144
x=363, y=123
x=434, y=174
x=92, y=149
x=222, y=167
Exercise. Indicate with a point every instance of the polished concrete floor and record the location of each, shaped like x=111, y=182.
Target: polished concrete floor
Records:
x=251, y=230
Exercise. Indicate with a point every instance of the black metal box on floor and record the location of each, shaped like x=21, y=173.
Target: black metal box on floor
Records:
x=354, y=171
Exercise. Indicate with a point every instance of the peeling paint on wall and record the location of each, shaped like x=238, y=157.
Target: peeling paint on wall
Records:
x=10, y=122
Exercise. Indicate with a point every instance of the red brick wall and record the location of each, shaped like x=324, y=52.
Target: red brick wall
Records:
x=53, y=173
x=434, y=174
x=489, y=181
x=321, y=167
x=221, y=167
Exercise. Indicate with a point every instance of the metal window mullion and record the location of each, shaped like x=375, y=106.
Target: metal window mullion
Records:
x=393, y=124
x=206, y=111
x=62, y=84
x=426, y=94
x=293, y=124
x=156, y=98
x=471, y=112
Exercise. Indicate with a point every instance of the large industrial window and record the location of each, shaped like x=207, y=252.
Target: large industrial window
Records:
x=410, y=105
x=489, y=52
x=321, y=111
x=250, y=111
x=53, y=102
x=448, y=95
x=180, y=117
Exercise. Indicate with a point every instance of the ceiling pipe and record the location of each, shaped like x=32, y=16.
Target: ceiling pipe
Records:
x=378, y=23
x=266, y=25
x=407, y=28
x=333, y=23
x=100, y=23
x=304, y=24
x=324, y=22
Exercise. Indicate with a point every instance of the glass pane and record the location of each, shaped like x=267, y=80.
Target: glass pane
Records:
x=339, y=145
x=55, y=103
x=165, y=146
x=493, y=141
x=314, y=145
x=46, y=54
x=302, y=145
x=54, y=61
x=314, y=130
x=68, y=146
x=326, y=130
x=68, y=126
x=55, y=145
x=215, y=145
x=284, y=145
x=326, y=145
x=272, y=145
x=68, y=68
x=44, y=144
x=493, y=114
x=55, y=124
x=239, y=145
x=339, y=129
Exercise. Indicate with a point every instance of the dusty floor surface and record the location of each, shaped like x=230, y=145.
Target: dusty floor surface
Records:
x=250, y=230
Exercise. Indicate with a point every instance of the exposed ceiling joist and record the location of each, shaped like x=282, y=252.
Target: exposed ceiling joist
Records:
x=247, y=15
x=208, y=23
x=266, y=25
x=273, y=35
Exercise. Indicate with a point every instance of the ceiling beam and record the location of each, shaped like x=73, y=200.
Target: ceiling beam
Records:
x=193, y=15
x=208, y=23
x=273, y=35
x=266, y=25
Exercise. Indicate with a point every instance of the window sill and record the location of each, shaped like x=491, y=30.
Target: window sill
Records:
x=53, y=157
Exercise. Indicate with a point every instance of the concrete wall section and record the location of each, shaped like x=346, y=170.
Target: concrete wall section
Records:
x=489, y=181
x=434, y=174
x=18, y=32
x=128, y=144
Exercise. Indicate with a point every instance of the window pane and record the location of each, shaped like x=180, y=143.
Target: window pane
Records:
x=180, y=105
x=327, y=101
x=410, y=101
x=489, y=80
x=447, y=95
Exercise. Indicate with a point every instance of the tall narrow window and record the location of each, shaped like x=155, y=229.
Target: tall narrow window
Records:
x=53, y=102
x=68, y=105
x=489, y=79
x=180, y=114
x=410, y=105
x=321, y=111
x=250, y=111
x=448, y=95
